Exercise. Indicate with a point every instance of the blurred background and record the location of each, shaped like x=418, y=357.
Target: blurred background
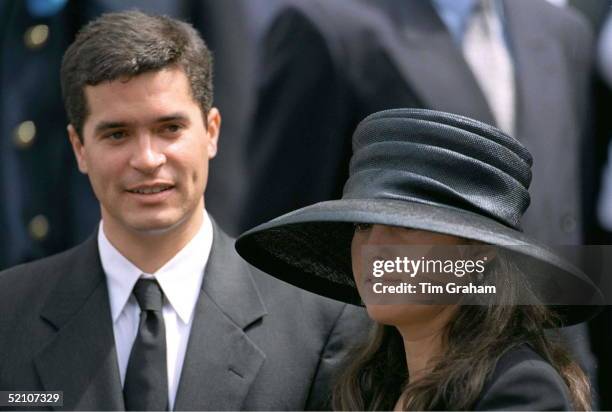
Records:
x=292, y=80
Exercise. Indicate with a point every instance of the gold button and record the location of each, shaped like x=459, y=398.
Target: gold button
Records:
x=39, y=227
x=36, y=36
x=24, y=134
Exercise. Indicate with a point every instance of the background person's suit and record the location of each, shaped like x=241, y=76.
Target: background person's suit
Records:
x=327, y=65
x=256, y=342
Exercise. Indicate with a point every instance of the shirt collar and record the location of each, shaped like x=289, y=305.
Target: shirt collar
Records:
x=180, y=278
x=455, y=15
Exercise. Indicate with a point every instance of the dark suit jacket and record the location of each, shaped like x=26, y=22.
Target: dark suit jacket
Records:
x=524, y=381
x=328, y=64
x=256, y=342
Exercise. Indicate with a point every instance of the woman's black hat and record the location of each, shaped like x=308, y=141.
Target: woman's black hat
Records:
x=425, y=170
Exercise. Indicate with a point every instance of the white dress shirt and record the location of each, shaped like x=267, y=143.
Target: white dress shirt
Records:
x=180, y=279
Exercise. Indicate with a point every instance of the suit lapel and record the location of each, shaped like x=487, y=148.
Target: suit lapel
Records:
x=81, y=360
x=221, y=361
x=432, y=63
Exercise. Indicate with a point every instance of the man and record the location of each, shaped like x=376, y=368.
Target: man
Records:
x=214, y=333
x=45, y=210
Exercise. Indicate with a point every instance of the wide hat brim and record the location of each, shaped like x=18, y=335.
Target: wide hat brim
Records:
x=310, y=248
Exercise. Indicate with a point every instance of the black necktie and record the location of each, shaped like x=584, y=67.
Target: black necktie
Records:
x=146, y=379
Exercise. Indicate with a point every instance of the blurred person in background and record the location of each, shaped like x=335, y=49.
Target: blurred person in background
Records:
x=523, y=65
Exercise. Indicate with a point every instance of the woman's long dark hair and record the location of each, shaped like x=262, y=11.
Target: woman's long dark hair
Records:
x=474, y=341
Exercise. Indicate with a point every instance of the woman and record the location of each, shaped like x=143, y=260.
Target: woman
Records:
x=424, y=178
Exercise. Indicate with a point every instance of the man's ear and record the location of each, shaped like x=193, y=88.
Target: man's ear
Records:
x=213, y=126
x=77, y=148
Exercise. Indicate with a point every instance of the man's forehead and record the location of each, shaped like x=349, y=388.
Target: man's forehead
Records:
x=167, y=79
x=161, y=87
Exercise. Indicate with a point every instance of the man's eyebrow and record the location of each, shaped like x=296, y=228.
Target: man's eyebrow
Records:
x=171, y=117
x=102, y=126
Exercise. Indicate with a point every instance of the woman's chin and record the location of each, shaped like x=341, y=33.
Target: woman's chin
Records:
x=404, y=314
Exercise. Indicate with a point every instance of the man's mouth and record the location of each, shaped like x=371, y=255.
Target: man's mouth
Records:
x=149, y=190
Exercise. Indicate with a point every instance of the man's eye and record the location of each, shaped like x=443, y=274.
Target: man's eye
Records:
x=360, y=227
x=116, y=135
x=171, y=128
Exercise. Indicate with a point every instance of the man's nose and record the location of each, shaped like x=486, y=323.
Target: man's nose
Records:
x=147, y=156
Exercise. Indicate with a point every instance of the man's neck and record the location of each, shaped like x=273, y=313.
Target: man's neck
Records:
x=149, y=251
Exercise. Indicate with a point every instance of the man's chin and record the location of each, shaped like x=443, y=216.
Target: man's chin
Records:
x=154, y=230
x=155, y=226
x=153, y=222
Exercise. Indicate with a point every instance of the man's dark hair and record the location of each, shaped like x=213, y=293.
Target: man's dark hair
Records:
x=127, y=44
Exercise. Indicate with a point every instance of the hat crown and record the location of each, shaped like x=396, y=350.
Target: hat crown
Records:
x=439, y=158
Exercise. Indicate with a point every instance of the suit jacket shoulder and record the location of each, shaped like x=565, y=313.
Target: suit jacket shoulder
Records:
x=568, y=25
x=36, y=275
x=24, y=289
x=560, y=19
x=345, y=27
x=55, y=311
x=523, y=380
x=302, y=336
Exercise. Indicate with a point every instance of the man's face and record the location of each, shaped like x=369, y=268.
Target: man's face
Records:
x=146, y=149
